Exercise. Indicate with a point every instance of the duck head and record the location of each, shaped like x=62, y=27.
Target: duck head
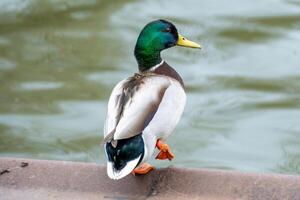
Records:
x=155, y=37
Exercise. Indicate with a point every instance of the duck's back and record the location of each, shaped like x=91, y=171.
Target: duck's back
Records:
x=143, y=103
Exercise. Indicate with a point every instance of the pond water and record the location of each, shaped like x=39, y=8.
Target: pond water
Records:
x=59, y=61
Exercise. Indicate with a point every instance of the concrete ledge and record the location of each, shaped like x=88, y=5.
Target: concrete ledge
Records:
x=40, y=179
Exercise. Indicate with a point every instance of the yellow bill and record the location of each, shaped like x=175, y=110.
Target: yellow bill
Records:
x=182, y=41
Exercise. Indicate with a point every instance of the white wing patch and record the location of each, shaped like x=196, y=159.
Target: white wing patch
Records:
x=137, y=110
x=112, y=111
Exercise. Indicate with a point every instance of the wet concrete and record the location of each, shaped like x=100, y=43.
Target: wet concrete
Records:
x=41, y=179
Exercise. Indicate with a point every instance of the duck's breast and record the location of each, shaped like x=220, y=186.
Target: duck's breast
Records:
x=169, y=111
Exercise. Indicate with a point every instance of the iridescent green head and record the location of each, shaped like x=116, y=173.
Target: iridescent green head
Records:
x=155, y=37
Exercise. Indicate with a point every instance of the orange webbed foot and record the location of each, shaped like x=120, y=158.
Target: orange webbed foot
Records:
x=143, y=169
x=165, y=151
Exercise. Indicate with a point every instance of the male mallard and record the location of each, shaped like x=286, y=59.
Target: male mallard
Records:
x=144, y=109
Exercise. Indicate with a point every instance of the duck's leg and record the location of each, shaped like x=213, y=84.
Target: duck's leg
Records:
x=165, y=151
x=143, y=169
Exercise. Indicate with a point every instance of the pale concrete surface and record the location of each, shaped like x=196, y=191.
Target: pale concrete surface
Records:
x=39, y=179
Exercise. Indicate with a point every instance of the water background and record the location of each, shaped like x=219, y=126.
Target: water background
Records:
x=60, y=59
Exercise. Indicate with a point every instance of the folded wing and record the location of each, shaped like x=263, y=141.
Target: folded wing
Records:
x=132, y=105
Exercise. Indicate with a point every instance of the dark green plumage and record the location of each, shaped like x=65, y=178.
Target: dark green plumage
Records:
x=155, y=37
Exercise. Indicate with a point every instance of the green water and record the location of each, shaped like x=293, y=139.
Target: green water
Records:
x=59, y=61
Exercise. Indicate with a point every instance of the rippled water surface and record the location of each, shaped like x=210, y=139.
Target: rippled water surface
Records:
x=59, y=61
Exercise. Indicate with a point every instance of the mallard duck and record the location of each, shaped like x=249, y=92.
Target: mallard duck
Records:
x=144, y=109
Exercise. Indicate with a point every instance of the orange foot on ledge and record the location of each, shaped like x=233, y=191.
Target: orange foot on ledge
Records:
x=165, y=151
x=143, y=169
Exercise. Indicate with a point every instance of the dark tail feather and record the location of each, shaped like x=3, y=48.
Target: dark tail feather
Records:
x=126, y=150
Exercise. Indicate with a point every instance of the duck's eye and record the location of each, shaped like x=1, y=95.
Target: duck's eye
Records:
x=167, y=30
